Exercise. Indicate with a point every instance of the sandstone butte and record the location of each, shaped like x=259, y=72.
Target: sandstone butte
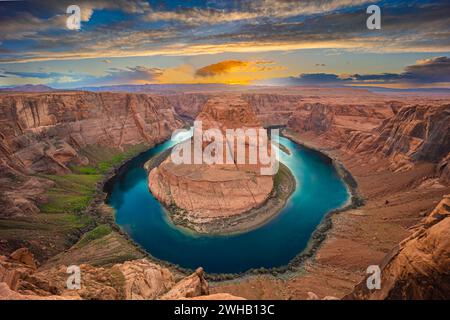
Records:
x=211, y=192
x=396, y=147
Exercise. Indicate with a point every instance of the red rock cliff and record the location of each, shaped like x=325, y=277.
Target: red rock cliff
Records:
x=48, y=132
x=419, y=268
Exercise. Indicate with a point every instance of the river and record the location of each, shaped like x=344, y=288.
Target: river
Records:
x=319, y=190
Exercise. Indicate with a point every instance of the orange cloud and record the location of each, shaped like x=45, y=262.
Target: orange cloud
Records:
x=228, y=66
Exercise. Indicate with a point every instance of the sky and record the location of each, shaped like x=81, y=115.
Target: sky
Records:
x=266, y=42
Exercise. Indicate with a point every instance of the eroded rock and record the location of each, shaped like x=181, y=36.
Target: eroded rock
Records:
x=205, y=193
x=131, y=280
x=49, y=132
x=419, y=268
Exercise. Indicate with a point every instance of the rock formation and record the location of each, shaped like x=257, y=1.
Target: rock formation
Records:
x=416, y=133
x=336, y=122
x=443, y=169
x=403, y=134
x=189, y=105
x=49, y=132
x=400, y=161
x=132, y=280
x=419, y=268
x=209, y=192
x=46, y=132
x=272, y=108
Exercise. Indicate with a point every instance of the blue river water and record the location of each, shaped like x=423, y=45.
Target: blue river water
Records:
x=319, y=190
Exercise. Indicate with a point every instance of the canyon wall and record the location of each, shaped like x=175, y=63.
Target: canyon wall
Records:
x=335, y=122
x=50, y=132
x=273, y=109
x=419, y=267
x=270, y=108
x=415, y=133
x=189, y=105
x=45, y=132
x=402, y=134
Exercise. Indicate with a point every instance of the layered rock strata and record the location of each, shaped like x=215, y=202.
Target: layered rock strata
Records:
x=208, y=192
x=411, y=134
x=50, y=132
x=132, y=280
x=417, y=133
x=419, y=267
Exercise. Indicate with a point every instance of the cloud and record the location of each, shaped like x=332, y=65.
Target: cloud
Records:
x=219, y=26
x=89, y=6
x=307, y=79
x=24, y=23
x=39, y=75
x=432, y=70
x=221, y=68
x=228, y=66
x=200, y=16
x=425, y=72
x=232, y=11
x=129, y=75
x=321, y=78
x=436, y=70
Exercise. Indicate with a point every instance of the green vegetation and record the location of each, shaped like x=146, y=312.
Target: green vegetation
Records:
x=71, y=193
x=105, y=158
x=85, y=170
x=62, y=220
x=105, y=165
x=46, y=234
x=97, y=233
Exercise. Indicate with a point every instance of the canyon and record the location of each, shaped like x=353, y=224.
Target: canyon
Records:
x=396, y=147
x=48, y=133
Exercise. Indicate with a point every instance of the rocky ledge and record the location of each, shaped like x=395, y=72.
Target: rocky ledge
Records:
x=418, y=268
x=132, y=280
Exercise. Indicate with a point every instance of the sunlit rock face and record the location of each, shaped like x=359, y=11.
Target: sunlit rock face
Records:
x=131, y=280
x=213, y=191
x=418, y=263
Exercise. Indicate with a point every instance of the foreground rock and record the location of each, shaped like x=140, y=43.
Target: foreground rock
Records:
x=132, y=280
x=419, y=268
x=207, y=193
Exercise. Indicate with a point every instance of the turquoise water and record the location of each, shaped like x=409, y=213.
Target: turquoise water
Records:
x=319, y=190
